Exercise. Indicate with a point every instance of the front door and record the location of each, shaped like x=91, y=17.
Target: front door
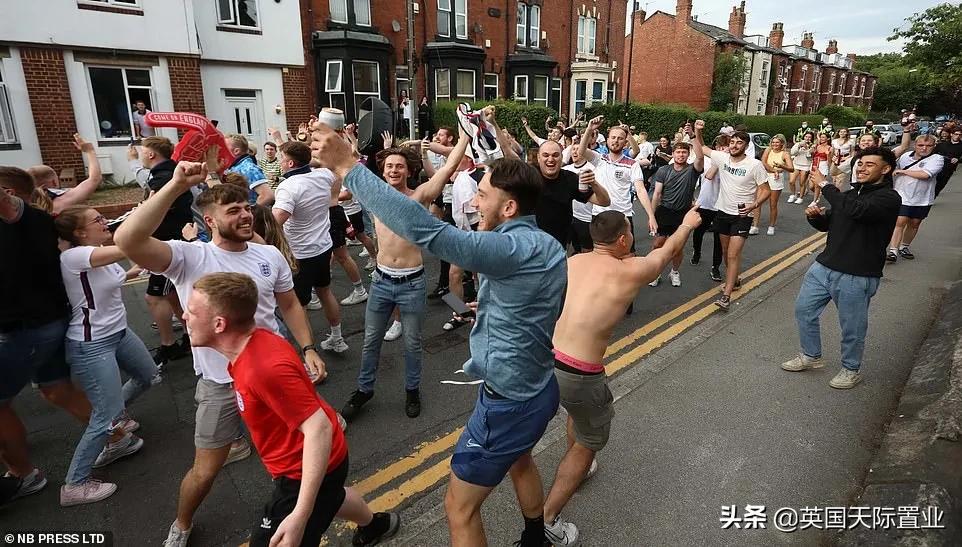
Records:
x=246, y=115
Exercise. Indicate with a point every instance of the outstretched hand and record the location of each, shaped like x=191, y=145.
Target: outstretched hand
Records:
x=80, y=144
x=331, y=151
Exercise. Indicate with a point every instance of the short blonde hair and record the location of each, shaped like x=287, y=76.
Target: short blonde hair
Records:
x=237, y=141
x=230, y=295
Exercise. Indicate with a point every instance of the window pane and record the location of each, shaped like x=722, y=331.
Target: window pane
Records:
x=462, y=24
x=521, y=87
x=535, y=34
x=339, y=11
x=138, y=77
x=225, y=11
x=247, y=13
x=522, y=23
x=362, y=12
x=592, y=28
x=597, y=90
x=541, y=88
x=366, y=77
x=461, y=7
x=7, y=132
x=581, y=34
x=442, y=82
x=444, y=23
x=333, y=82
x=466, y=83
x=110, y=100
x=444, y=5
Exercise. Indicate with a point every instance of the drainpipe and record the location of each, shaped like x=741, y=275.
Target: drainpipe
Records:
x=631, y=52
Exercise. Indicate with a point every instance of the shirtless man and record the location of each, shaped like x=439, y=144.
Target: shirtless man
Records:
x=398, y=280
x=591, y=311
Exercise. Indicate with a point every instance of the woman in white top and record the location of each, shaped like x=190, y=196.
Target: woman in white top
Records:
x=778, y=164
x=843, y=153
x=98, y=340
x=802, y=160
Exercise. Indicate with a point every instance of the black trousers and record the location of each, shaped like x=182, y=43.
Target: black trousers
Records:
x=707, y=217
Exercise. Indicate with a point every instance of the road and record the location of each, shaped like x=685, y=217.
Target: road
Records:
x=704, y=416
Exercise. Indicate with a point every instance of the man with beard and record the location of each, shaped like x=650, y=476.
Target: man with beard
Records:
x=559, y=188
x=915, y=178
x=227, y=214
x=398, y=280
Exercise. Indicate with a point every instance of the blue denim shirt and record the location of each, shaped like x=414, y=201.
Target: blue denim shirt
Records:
x=523, y=273
x=245, y=165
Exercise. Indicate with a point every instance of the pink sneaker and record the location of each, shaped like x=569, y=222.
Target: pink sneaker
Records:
x=89, y=491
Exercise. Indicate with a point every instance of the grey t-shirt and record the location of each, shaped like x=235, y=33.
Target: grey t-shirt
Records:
x=679, y=186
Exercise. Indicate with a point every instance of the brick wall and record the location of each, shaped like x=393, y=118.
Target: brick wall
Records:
x=46, y=78
x=185, y=84
x=298, y=96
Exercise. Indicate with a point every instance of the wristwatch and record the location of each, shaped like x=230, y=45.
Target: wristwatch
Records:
x=309, y=347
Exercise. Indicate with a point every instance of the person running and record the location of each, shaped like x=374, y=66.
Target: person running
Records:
x=296, y=433
x=55, y=199
x=915, y=178
x=559, y=189
x=849, y=270
x=801, y=154
x=398, y=280
x=227, y=213
x=707, y=198
x=98, y=340
x=522, y=272
x=673, y=195
x=592, y=310
x=744, y=186
x=301, y=206
x=821, y=162
x=778, y=163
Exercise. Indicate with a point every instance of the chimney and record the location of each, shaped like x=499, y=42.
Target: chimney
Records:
x=851, y=56
x=776, y=36
x=683, y=11
x=807, y=41
x=832, y=47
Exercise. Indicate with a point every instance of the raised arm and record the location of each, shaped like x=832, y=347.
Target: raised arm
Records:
x=102, y=256
x=85, y=189
x=593, y=125
x=632, y=142
x=700, y=142
x=881, y=206
x=646, y=269
x=903, y=147
x=699, y=151
x=534, y=136
x=428, y=192
x=425, y=147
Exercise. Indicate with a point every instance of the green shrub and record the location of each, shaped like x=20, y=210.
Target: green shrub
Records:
x=660, y=119
x=507, y=113
x=842, y=116
x=784, y=124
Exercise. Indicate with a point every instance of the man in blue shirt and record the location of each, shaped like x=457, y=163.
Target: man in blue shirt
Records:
x=260, y=189
x=523, y=272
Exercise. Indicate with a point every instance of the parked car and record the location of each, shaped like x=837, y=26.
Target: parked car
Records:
x=854, y=133
x=891, y=134
x=760, y=140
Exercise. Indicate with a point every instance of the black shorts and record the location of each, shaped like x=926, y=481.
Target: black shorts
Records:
x=339, y=224
x=357, y=220
x=731, y=225
x=330, y=498
x=668, y=220
x=312, y=272
x=581, y=236
x=159, y=286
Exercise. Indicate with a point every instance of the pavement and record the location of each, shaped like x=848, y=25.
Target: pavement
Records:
x=705, y=417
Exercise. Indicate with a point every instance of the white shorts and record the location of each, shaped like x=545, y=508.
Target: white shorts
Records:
x=776, y=182
x=823, y=168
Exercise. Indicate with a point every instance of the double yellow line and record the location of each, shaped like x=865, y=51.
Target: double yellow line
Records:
x=689, y=313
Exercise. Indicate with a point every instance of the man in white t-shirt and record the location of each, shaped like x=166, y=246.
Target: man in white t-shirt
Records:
x=743, y=186
x=915, y=179
x=581, y=213
x=141, y=129
x=230, y=221
x=301, y=206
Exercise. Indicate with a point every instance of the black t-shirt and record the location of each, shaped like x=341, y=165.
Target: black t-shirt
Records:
x=948, y=150
x=678, y=187
x=554, y=207
x=179, y=213
x=31, y=289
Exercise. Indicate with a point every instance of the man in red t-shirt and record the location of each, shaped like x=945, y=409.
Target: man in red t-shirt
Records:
x=295, y=431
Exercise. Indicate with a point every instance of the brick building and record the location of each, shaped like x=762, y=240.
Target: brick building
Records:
x=675, y=55
x=468, y=50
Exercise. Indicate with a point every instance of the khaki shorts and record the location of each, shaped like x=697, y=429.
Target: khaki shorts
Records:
x=217, y=422
x=589, y=404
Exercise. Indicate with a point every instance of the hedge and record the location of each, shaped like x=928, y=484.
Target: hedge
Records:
x=507, y=113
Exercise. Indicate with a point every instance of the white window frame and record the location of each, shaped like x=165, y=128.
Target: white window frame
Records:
x=547, y=90
x=763, y=77
x=534, y=26
x=447, y=76
x=488, y=86
x=445, y=30
x=461, y=13
x=346, y=14
x=517, y=79
x=604, y=86
x=759, y=107
x=556, y=89
x=583, y=102
x=587, y=34
x=365, y=94
x=134, y=4
x=234, y=20
x=127, y=87
x=8, y=125
x=474, y=83
x=357, y=20
x=340, y=76
x=521, y=29
x=610, y=94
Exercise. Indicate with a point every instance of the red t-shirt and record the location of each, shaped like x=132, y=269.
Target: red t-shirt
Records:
x=275, y=396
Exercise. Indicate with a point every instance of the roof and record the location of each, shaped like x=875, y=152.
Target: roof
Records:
x=717, y=34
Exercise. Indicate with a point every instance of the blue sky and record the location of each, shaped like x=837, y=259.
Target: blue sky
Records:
x=860, y=26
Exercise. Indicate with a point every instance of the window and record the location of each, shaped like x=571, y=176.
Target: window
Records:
x=367, y=82
x=611, y=93
x=556, y=93
x=741, y=104
x=8, y=133
x=581, y=95
x=528, y=29
x=522, y=23
x=841, y=84
x=238, y=13
x=490, y=87
x=115, y=91
x=442, y=84
x=118, y=3
x=359, y=13
x=784, y=107
x=798, y=106
x=521, y=88
x=540, y=92
x=763, y=78
x=534, y=36
x=459, y=18
x=466, y=84
x=362, y=12
x=817, y=75
x=831, y=83
x=333, y=82
x=587, y=27
x=759, y=107
x=339, y=11
x=597, y=91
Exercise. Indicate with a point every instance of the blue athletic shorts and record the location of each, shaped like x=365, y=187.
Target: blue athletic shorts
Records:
x=499, y=432
x=915, y=211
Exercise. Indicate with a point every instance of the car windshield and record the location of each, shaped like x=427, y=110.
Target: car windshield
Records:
x=761, y=140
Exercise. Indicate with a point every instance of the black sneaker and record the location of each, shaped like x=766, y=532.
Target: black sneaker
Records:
x=438, y=292
x=530, y=541
x=715, y=274
x=383, y=526
x=412, y=407
x=695, y=259
x=354, y=404
x=178, y=350
x=891, y=257
x=724, y=302
x=738, y=283
x=905, y=253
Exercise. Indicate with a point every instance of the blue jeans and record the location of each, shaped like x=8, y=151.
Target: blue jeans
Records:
x=383, y=295
x=32, y=354
x=95, y=367
x=851, y=294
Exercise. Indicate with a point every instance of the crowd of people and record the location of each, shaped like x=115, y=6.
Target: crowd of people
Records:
x=236, y=255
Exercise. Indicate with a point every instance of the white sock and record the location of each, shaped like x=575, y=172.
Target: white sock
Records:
x=674, y=271
x=336, y=331
x=903, y=246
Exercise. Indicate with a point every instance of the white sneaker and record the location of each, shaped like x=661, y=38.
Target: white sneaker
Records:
x=845, y=379
x=802, y=362
x=593, y=469
x=89, y=491
x=791, y=198
x=370, y=264
x=240, y=449
x=771, y=231
x=393, y=333
x=30, y=484
x=364, y=254
x=335, y=344
x=656, y=282
x=753, y=230
x=675, y=278
x=314, y=304
x=357, y=296
x=130, y=444
x=177, y=537
x=561, y=533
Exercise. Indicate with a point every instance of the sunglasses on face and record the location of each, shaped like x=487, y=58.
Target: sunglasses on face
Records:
x=100, y=219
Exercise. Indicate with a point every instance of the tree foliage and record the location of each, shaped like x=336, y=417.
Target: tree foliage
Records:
x=726, y=81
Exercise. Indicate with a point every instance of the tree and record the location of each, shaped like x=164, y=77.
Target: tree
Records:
x=901, y=84
x=726, y=81
x=932, y=42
